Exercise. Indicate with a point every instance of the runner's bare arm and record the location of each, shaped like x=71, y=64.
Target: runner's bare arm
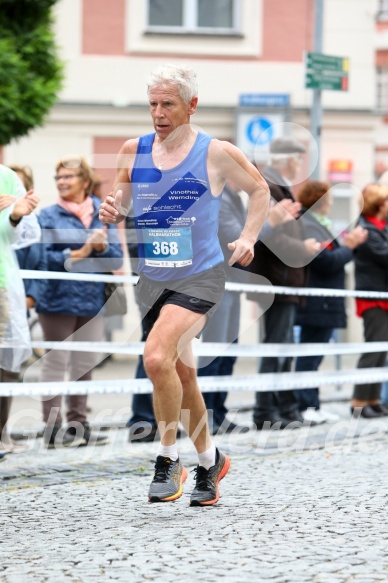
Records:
x=115, y=207
x=229, y=163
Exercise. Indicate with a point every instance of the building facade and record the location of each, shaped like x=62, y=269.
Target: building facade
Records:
x=237, y=47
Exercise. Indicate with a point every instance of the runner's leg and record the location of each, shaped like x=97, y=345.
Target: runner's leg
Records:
x=194, y=413
x=160, y=361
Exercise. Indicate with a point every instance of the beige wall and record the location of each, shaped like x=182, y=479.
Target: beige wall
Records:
x=108, y=59
x=268, y=57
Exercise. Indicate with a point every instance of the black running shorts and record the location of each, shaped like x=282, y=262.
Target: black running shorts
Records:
x=200, y=293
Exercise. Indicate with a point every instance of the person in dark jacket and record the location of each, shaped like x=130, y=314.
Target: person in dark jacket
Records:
x=281, y=257
x=75, y=241
x=224, y=325
x=372, y=275
x=320, y=316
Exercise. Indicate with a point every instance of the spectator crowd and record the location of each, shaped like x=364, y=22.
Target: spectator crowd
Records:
x=296, y=248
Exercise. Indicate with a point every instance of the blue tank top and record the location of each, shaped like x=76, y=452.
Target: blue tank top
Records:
x=176, y=216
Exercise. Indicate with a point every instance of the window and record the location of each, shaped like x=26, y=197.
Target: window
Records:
x=193, y=16
x=165, y=13
x=205, y=28
x=382, y=11
x=382, y=89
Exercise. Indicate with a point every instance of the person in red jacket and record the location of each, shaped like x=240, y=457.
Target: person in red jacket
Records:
x=372, y=275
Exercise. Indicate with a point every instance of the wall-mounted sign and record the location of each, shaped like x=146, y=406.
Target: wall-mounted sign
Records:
x=326, y=72
x=340, y=171
x=264, y=100
x=256, y=130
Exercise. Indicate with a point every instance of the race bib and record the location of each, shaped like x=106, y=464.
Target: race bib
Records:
x=168, y=247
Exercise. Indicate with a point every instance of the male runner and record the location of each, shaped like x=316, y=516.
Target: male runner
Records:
x=175, y=177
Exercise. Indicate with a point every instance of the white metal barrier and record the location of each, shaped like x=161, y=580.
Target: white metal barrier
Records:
x=223, y=349
x=262, y=382
x=241, y=287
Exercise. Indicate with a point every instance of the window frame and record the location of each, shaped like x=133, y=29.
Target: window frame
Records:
x=382, y=11
x=382, y=89
x=190, y=18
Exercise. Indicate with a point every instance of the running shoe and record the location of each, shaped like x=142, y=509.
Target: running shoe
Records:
x=169, y=477
x=56, y=437
x=206, y=491
x=84, y=435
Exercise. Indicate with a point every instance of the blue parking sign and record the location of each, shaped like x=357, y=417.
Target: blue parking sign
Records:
x=259, y=131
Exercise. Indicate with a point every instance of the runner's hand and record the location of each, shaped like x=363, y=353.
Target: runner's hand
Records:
x=242, y=252
x=111, y=210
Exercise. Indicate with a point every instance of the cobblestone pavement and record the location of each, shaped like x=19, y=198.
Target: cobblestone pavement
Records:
x=304, y=505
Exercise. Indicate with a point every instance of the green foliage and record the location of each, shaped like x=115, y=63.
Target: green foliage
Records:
x=30, y=71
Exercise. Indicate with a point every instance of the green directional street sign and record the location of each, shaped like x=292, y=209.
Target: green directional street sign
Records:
x=326, y=72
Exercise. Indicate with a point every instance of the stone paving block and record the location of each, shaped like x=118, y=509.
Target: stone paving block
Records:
x=289, y=517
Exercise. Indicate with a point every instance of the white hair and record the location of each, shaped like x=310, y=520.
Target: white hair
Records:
x=181, y=75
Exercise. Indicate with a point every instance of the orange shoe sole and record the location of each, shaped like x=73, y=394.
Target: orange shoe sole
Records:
x=174, y=496
x=223, y=473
